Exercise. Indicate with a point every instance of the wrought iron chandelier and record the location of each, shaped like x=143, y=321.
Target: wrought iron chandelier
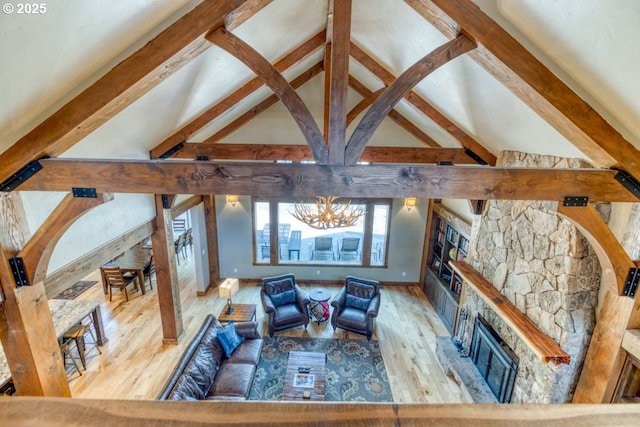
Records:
x=327, y=214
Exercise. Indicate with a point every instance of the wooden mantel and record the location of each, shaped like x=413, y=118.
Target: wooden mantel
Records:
x=539, y=342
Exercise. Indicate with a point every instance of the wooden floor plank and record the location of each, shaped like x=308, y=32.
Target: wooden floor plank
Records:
x=135, y=363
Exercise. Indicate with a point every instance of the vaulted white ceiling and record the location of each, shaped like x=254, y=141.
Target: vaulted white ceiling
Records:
x=592, y=45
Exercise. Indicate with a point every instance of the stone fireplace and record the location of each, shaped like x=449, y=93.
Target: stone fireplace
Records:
x=494, y=360
x=543, y=265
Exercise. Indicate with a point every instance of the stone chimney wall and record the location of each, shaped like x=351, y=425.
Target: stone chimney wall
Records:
x=548, y=270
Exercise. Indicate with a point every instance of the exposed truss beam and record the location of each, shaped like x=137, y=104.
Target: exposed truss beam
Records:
x=38, y=250
x=339, y=81
x=394, y=115
x=398, y=89
x=244, y=13
x=280, y=86
x=120, y=87
x=297, y=153
x=272, y=180
x=507, y=60
x=262, y=106
x=254, y=84
x=422, y=105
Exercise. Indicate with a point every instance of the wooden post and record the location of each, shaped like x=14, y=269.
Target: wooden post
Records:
x=211, y=224
x=166, y=274
x=26, y=327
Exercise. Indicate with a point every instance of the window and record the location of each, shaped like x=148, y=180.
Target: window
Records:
x=363, y=244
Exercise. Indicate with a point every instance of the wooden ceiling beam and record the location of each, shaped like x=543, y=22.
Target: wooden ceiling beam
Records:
x=399, y=89
x=270, y=180
x=508, y=61
x=394, y=115
x=182, y=135
x=262, y=106
x=365, y=103
x=339, y=81
x=423, y=106
x=244, y=13
x=298, y=153
x=37, y=252
x=119, y=88
x=280, y=86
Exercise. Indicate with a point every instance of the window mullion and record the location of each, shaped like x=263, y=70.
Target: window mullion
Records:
x=367, y=238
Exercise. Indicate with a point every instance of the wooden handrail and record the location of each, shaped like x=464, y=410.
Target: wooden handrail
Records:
x=54, y=412
x=539, y=342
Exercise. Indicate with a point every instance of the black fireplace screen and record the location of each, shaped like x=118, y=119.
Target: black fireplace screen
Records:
x=495, y=361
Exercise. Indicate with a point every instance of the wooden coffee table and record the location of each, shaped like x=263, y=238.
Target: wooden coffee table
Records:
x=241, y=313
x=316, y=362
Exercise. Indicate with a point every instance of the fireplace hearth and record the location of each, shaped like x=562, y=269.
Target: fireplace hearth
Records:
x=493, y=358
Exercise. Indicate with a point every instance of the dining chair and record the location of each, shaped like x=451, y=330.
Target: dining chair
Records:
x=180, y=247
x=115, y=279
x=179, y=224
x=147, y=271
x=188, y=238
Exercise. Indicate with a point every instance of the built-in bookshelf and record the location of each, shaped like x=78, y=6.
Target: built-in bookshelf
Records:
x=448, y=245
x=449, y=241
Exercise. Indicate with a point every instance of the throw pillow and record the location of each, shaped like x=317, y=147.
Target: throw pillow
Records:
x=286, y=297
x=229, y=338
x=356, y=302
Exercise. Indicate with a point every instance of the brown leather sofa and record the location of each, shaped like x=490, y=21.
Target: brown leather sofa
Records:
x=356, y=306
x=204, y=372
x=285, y=304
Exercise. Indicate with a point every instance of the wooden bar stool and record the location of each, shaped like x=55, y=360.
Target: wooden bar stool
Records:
x=77, y=334
x=65, y=349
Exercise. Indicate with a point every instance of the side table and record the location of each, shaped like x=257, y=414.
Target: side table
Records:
x=241, y=313
x=319, y=305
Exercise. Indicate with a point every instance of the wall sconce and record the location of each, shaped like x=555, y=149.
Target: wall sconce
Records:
x=410, y=202
x=227, y=290
x=233, y=199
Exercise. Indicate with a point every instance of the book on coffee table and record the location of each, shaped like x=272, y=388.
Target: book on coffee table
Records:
x=303, y=380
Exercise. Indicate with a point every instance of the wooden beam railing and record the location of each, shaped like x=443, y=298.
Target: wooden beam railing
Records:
x=540, y=343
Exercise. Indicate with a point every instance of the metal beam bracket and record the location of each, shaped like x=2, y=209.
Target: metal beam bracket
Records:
x=631, y=284
x=171, y=151
x=20, y=275
x=628, y=181
x=21, y=176
x=479, y=206
x=575, y=201
x=166, y=204
x=88, y=193
x=475, y=157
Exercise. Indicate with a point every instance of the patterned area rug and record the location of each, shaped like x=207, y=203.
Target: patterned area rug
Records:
x=76, y=289
x=355, y=371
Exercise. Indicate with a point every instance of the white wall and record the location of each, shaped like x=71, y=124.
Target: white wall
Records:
x=93, y=229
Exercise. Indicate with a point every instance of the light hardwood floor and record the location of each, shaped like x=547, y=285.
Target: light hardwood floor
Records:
x=135, y=364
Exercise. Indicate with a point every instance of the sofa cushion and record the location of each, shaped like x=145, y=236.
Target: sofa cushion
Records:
x=202, y=367
x=278, y=286
x=247, y=352
x=233, y=380
x=286, y=297
x=362, y=290
x=356, y=302
x=287, y=313
x=229, y=338
x=352, y=318
x=186, y=388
